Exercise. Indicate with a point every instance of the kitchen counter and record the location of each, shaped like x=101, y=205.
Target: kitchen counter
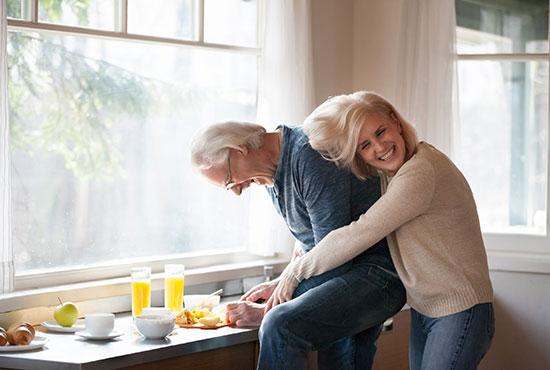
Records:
x=69, y=351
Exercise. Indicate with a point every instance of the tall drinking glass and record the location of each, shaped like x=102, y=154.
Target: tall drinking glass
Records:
x=141, y=289
x=173, y=286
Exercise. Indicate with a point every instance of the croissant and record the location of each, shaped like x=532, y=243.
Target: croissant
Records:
x=20, y=334
x=3, y=337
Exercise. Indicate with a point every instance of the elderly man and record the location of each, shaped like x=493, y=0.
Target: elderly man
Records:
x=338, y=313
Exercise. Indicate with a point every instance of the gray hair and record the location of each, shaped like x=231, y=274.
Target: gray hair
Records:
x=210, y=145
x=333, y=129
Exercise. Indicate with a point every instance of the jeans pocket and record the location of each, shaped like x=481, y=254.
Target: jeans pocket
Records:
x=390, y=287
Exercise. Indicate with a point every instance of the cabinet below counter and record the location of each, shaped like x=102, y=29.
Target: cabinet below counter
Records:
x=223, y=348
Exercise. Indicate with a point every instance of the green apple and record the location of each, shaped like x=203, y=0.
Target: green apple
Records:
x=65, y=314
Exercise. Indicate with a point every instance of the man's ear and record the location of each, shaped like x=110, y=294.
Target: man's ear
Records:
x=244, y=149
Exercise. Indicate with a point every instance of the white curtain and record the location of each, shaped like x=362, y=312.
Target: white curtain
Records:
x=6, y=252
x=427, y=70
x=286, y=96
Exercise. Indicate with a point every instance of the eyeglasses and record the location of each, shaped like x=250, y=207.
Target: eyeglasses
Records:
x=229, y=184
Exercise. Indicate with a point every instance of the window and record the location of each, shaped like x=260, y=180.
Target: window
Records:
x=104, y=97
x=503, y=79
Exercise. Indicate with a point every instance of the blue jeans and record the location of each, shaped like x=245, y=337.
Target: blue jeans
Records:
x=452, y=342
x=338, y=313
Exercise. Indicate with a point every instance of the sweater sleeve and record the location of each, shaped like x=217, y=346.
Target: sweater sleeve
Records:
x=408, y=196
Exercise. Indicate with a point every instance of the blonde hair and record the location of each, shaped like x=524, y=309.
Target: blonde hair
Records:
x=210, y=145
x=333, y=129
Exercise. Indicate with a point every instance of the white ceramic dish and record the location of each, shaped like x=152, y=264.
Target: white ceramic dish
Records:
x=37, y=342
x=201, y=300
x=155, y=326
x=54, y=326
x=156, y=311
x=84, y=334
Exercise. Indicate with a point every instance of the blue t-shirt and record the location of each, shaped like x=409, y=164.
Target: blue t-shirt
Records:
x=314, y=196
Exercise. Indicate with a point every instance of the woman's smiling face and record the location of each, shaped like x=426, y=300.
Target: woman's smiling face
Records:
x=380, y=143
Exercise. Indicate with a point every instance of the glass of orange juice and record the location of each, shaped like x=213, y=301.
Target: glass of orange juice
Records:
x=141, y=289
x=173, y=286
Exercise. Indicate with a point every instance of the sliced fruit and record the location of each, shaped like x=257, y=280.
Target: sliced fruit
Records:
x=209, y=321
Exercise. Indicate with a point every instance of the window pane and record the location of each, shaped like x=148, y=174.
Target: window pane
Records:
x=503, y=148
x=496, y=26
x=16, y=8
x=99, y=14
x=100, y=134
x=177, y=18
x=231, y=22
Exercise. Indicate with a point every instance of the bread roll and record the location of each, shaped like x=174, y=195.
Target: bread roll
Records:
x=20, y=334
x=3, y=337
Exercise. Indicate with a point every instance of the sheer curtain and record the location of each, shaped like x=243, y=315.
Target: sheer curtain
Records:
x=6, y=252
x=427, y=70
x=286, y=96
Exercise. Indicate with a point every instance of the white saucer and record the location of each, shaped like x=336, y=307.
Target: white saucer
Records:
x=37, y=342
x=86, y=335
x=54, y=326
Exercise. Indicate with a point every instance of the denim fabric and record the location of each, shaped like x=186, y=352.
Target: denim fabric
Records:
x=453, y=342
x=338, y=313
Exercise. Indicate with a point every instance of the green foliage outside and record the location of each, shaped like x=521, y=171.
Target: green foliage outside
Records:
x=88, y=97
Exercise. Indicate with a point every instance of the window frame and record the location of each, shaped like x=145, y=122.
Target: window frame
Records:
x=212, y=261
x=529, y=252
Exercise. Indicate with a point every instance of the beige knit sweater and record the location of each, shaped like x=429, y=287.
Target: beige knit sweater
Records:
x=430, y=219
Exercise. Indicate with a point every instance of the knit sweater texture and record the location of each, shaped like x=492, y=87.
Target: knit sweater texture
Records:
x=430, y=219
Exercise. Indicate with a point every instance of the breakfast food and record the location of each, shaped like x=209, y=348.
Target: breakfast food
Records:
x=209, y=321
x=198, y=316
x=65, y=314
x=20, y=334
x=3, y=337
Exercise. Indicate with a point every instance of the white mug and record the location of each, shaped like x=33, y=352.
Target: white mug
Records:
x=99, y=324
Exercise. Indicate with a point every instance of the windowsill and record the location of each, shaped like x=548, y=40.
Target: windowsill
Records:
x=537, y=263
x=113, y=295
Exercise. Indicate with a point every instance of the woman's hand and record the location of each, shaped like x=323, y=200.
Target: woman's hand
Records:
x=260, y=291
x=283, y=293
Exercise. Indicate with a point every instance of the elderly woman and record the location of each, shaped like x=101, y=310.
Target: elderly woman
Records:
x=428, y=212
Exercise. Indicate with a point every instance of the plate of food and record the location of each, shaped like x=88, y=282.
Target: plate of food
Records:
x=37, y=342
x=54, y=326
x=200, y=318
x=20, y=337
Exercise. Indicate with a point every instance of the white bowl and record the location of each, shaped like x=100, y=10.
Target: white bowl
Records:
x=201, y=300
x=155, y=326
x=156, y=311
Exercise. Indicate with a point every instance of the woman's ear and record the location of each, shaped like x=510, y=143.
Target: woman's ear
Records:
x=397, y=122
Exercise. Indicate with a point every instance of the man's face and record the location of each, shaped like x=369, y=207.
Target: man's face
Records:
x=239, y=172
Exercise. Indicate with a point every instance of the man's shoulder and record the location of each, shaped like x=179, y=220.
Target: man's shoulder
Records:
x=302, y=154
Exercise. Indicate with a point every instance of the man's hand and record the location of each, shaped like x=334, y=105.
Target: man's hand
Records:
x=260, y=291
x=244, y=313
x=282, y=293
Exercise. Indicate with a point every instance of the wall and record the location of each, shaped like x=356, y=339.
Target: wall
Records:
x=356, y=47
x=376, y=45
x=332, y=30
x=522, y=336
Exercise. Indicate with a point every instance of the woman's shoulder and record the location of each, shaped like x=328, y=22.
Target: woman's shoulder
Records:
x=423, y=156
x=440, y=164
x=428, y=154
